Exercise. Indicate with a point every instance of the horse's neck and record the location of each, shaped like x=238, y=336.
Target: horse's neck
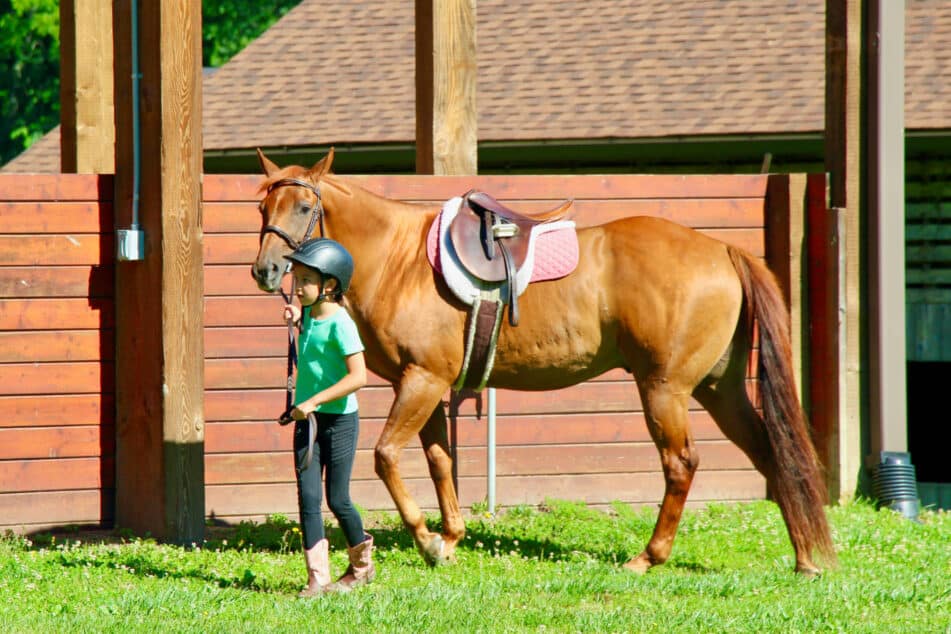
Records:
x=374, y=229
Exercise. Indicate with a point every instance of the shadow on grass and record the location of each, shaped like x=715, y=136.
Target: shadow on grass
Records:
x=277, y=535
x=484, y=537
x=280, y=535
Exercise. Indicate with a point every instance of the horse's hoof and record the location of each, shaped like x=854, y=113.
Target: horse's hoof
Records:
x=433, y=551
x=639, y=565
x=808, y=571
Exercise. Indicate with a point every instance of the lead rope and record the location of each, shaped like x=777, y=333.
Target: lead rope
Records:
x=286, y=418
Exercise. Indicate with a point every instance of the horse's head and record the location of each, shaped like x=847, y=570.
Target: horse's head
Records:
x=291, y=210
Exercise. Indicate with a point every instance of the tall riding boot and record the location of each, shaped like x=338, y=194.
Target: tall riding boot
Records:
x=318, y=569
x=361, y=569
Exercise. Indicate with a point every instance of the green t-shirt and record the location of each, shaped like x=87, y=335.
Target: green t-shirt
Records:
x=322, y=351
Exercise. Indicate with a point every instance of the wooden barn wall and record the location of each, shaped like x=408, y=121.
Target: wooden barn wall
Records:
x=588, y=442
x=56, y=351
x=57, y=401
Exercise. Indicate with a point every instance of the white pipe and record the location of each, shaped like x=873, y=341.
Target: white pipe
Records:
x=490, y=449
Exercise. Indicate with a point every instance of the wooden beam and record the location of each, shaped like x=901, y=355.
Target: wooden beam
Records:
x=825, y=323
x=785, y=204
x=843, y=151
x=446, y=121
x=87, y=130
x=159, y=342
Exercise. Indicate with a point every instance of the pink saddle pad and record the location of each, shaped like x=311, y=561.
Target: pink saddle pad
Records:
x=556, y=251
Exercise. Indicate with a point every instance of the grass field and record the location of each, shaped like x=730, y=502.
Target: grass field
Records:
x=552, y=569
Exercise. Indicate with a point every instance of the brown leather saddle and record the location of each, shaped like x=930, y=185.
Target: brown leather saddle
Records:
x=492, y=240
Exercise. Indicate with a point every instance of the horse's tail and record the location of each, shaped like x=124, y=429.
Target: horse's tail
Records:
x=797, y=485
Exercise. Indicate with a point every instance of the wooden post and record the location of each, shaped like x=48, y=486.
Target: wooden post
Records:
x=785, y=238
x=87, y=130
x=446, y=122
x=446, y=117
x=159, y=346
x=826, y=336
x=843, y=152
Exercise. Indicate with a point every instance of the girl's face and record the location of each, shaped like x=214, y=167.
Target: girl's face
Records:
x=308, y=281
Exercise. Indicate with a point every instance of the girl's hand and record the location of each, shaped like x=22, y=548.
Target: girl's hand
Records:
x=301, y=411
x=291, y=312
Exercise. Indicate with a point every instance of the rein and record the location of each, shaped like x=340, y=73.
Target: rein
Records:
x=316, y=215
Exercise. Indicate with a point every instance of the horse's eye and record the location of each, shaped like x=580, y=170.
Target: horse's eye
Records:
x=303, y=207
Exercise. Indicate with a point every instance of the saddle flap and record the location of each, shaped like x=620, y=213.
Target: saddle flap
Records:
x=467, y=233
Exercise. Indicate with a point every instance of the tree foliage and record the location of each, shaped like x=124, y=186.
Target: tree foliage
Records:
x=230, y=25
x=29, y=58
x=29, y=72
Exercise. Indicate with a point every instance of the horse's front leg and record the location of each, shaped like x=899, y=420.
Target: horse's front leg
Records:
x=417, y=395
x=435, y=440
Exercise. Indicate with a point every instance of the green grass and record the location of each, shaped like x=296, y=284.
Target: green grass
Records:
x=552, y=569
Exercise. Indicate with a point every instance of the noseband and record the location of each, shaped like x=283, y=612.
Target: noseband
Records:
x=316, y=214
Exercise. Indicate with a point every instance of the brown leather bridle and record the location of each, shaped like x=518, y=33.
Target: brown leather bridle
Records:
x=316, y=213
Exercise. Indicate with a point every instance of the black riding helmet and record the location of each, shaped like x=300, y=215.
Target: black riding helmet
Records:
x=328, y=258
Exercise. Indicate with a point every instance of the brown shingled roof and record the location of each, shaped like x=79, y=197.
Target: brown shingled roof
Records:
x=343, y=72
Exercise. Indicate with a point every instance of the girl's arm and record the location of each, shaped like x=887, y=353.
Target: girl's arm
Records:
x=353, y=380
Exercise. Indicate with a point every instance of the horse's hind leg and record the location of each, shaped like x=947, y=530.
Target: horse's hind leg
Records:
x=730, y=406
x=417, y=396
x=666, y=410
x=435, y=441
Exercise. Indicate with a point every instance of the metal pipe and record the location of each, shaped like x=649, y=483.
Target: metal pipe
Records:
x=136, y=133
x=130, y=242
x=490, y=451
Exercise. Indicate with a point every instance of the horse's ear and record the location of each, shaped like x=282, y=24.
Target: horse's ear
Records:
x=322, y=166
x=267, y=164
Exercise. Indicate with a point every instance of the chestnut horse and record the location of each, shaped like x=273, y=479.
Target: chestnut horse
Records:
x=672, y=306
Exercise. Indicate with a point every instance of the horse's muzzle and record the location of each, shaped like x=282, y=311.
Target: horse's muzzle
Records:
x=267, y=276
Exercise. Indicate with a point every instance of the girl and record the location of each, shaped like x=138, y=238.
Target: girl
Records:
x=331, y=368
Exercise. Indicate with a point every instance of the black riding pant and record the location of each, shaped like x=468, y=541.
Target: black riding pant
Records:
x=334, y=451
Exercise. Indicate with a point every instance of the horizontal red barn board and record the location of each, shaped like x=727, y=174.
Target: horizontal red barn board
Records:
x=57, y=442
x=241, y=248
x=52, y=345
x=58, y=474
x=236, y=188
x=270, y=371
x=637, y=488
x=223, y=218
x=51, y=410
x=55, y=250
x=520, y=429
x=56, y=187
x=56, y=314
x=57, y=378
x=86, y=281
x=562, y=459
x=375, y=402
x=591, y=397
x=70, y=217
x=267, y=343
x=38, y=510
